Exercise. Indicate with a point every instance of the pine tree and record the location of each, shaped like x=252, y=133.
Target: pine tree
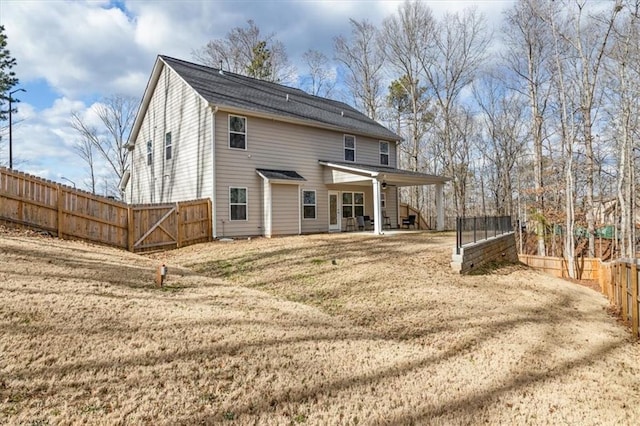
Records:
x=8, y=78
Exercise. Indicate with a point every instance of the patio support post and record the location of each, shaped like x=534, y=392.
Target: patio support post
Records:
x=377, y=213
x=439, y=207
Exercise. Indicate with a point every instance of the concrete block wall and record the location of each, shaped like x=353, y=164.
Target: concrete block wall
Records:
x=496, y=249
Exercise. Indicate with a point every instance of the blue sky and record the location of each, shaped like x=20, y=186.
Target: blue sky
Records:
x=71, y=54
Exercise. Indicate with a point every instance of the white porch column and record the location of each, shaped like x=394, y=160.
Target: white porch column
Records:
x=300, y=208
x=439, y=207
x=266, y=207
x=377, y=211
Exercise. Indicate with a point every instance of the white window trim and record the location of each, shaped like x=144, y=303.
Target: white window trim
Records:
x=246, y=204
x=170, y=145
x=246, y=137
x=384, y=153
x=344, y=148
x=353, y=204
x=315, y=204
x=383, y=200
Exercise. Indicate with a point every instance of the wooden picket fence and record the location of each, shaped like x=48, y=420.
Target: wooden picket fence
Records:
x=618, y=280
x=37, y=203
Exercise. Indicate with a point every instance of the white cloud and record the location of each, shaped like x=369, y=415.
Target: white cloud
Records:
x=43, y=140
x=79, y=48
x=85, y=50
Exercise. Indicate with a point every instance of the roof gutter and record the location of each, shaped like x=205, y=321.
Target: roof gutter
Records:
x=307, y=122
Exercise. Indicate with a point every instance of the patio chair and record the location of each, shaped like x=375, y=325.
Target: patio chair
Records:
x=368, y=223
x=409, y=221
x=360, y=222
x=386, y=220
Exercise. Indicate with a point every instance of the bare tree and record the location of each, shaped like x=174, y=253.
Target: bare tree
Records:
x=404, y=39
x=363, y=61
x=459, y=51
x=85, y=150
x=321, y=79
x=245, y=51
x=116, y=115
x=528, y=55
x=565, y=91
x=504, y=138
x=589, y=41
x=624, y=111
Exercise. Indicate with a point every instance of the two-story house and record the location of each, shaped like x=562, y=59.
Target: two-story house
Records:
x=274, y=160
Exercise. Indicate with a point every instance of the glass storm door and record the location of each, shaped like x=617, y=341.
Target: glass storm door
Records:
x=334, y=211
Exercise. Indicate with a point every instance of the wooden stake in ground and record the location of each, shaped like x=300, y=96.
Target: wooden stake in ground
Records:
x=161, y=275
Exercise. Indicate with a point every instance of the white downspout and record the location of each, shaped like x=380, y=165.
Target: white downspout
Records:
x=266, y=201
x=132, y=156
x=214, y=201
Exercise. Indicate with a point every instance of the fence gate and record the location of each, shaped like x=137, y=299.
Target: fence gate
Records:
x=154, y=227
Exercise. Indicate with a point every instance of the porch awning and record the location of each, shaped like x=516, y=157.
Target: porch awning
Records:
x=343, y=172
x=280, y=176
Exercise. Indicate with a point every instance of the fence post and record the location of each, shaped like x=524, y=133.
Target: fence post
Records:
x=179, y=222
x=486, y=228
x=60, y=210
x=130, y=228
x=474, y=229
x=634, y=298
x=209, y=220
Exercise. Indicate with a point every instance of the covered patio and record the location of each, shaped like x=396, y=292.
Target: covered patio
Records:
x=380, y=178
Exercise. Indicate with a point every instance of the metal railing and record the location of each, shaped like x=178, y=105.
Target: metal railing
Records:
x=473, y=229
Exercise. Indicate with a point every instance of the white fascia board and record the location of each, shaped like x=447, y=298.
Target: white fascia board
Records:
x=350, y=169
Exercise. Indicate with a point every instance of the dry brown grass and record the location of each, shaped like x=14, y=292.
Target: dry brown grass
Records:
x=276, y=332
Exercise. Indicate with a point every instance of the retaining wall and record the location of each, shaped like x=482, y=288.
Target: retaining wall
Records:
x=496, y=249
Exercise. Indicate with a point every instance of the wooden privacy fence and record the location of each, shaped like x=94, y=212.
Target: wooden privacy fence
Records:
x=618, y=280
x=587, y=268
x=37, y=203
x=622, y=290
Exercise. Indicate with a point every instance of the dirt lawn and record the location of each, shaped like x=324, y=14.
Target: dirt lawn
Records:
x=325, y=329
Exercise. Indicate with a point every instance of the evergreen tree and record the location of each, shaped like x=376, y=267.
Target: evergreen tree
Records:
x=8, y=78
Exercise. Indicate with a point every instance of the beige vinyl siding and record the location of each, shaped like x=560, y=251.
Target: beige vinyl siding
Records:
x=285, y=210
x=175, y=108
x=284, y=146
x=392, y=205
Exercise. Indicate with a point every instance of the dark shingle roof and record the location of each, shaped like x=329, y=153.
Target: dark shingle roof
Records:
x=384, y=169
x=280, y=174
x=249, y=94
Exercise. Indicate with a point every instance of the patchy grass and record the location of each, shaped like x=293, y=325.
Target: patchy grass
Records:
x=323, y=329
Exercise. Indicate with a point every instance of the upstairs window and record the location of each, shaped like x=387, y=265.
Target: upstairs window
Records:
x=309, y=204
x=384, y=153
x=167, y=146
x=149, y=153
x=349, y=148
x=238, y=203
x=237, y=132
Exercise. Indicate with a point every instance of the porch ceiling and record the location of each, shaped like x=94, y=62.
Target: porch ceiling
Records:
x=354, y=173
